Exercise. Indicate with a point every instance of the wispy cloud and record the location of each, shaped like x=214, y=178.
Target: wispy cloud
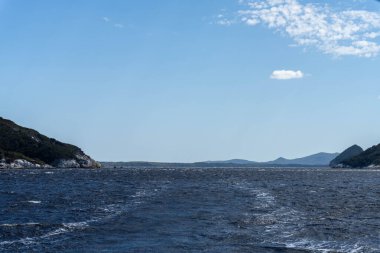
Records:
x=222, y=20
x=286, y=74
x=118, y=25
x=338, y=33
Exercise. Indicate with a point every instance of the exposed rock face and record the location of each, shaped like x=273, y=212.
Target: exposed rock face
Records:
x=80, y=161
x=345, y=155
x=26, y=148
x=21, y=164
x=66, y=163
x=85, y=161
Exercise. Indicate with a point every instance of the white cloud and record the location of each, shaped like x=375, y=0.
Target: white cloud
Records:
x=286, y=74
x=224, y=22
x=339, y=33
x=118, y=25
x=221, y=19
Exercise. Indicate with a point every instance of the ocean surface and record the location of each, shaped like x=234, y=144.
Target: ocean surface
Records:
x=190, y=210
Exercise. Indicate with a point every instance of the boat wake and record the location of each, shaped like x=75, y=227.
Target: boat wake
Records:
x=105, y=214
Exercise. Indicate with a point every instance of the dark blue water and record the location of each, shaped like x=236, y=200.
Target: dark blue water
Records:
x=190, y=210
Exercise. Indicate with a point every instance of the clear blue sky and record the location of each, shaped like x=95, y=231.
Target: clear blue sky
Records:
x=193, y=80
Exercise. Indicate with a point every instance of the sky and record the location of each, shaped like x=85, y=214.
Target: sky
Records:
x=193, y=80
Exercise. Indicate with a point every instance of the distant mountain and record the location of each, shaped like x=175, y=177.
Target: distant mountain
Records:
x=349, y=153
x=368, y=158
x=320, y=159
x=232, y=161
x=22, y=147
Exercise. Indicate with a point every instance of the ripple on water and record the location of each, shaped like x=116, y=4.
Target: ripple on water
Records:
x=109, y=211
x=190, y=210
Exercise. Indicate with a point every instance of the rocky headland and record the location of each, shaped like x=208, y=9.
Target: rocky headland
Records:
x=22, y=147
x=356, y=157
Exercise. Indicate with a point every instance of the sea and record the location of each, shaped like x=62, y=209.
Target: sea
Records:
x=263, y=210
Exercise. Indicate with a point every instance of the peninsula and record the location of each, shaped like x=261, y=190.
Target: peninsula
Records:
x=22, y=147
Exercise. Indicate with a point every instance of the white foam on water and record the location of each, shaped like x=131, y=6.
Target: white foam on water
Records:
x=329, y=246
x=34, y=201
x=66, y=227
x=5, y=243
x=114, y=210
x=52, y=233
x=139, y=194
x=24, y=241
x=19, y=224
x=279, y=222
x=110, y=211
x=9, y=225
x=282, y=224
x=77, y=225
x=265, y=199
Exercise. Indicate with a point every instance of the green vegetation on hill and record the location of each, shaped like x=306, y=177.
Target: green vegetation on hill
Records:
x=367, y=158
x=345, y=155
x=11, y=156
x=18, y=142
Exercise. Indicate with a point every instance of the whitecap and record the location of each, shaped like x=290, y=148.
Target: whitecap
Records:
x=67, y=227
x=19, y=224
x=8, y=225
x=52, y=233
x=328, y=246
x=111, y=211
x=34, y=201
x=77, y=225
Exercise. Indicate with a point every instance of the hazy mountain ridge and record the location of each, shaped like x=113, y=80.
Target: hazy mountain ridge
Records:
x=319, y=159
x=316, y=160
x=233, y=161
x=322, y=159
x=350, y=158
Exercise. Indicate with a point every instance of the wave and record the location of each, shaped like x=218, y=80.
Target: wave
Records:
x=281, y=224
x=330, y=246
x=34, y=201
x=19, y=224
x=109, y=211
